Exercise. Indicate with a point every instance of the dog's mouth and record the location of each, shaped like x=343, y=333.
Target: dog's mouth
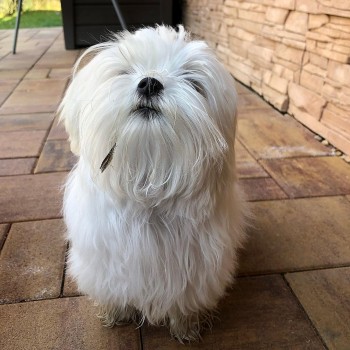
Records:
x=147, y=111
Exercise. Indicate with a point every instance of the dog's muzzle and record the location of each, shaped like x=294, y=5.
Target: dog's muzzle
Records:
x=148, y=89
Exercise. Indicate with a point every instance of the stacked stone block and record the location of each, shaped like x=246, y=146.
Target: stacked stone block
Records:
x=295, y=53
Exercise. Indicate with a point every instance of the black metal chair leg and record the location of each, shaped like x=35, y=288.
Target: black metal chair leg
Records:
x=119, y=14
x=18, y=20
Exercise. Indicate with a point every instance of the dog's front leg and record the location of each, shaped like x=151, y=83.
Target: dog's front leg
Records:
x=188, y=327
x=113, y=315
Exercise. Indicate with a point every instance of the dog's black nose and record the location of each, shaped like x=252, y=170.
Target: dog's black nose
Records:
x=149, y=87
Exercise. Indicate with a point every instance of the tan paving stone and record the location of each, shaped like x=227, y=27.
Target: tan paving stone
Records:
x=325, y=296
x=33, y=96
x=4, y=34
x=23, y=60
x=66, y=323
x=6, y=87
x=24, y=44
x=49, y=34
x=247, y=166
x=18, y=166
x=270, y=135
x=299, y=234
x=251, y=101
x=37, y=73
x=259, y=313
x=58, y=58
x=3, y=97
x=3, y=232
x=64, y=73
x=31, y=197
x=24, y=36
x=56, y=156
x=57, y=132
x=306, y=177
x=31, y=43
x=257, y=189
x=21, y=143
x=32, y=261
x=22, y=122
x=241, y=89
x=4, y=51
x=70, y=287
x=40, y=47
x=12, y=74
x=259, y=113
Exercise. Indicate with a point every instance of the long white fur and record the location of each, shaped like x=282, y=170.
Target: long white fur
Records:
x=158, y=230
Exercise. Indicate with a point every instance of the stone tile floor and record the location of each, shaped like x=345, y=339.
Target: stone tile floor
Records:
x=293, y=286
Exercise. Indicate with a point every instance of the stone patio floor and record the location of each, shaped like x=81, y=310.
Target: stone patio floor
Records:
x=293, y=287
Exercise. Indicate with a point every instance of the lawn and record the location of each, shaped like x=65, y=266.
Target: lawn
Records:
x=33, y=19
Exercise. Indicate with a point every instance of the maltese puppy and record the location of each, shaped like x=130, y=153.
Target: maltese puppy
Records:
x=153, y=210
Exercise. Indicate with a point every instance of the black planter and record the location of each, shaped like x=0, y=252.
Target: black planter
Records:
x=88, y=22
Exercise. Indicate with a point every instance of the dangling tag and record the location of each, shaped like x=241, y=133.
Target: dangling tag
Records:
x=107, y=160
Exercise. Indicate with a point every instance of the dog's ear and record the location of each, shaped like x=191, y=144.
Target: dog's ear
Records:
x=85, y=59
x=70, y=107
x=74, y=100
x=68, y=115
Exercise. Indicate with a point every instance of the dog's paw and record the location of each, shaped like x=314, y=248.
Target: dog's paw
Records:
x=189, y=328
x=115, y=315
x=186, y=335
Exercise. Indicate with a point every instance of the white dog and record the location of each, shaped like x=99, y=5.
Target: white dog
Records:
x=153, y=211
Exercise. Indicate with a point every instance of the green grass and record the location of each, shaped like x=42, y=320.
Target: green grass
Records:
x=33, y=19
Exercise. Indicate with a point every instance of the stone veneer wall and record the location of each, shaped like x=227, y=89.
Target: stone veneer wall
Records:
x=295, y=53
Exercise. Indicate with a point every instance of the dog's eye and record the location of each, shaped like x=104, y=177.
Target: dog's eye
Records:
x=125, y=72
x=197, y=86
